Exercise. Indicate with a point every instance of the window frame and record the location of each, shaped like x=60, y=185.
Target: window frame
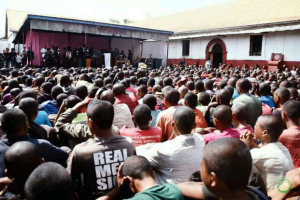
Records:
x=251, y=51
x=184, y=49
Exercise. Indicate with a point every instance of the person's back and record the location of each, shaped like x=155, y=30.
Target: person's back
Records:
x=151, y=101
x=253, y=103
x=143, y=134
x=122, y=114
x=165, y=118
x=14, y=124
x=49, y=181
x=177, y=160
x=290, y=137
x=272, y=159
x=222, y=119
x=121, y=97
x=103, y=153
x=191, y=100
x=265, y=91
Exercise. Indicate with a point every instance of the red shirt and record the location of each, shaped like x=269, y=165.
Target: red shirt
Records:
x=230, y=132
x=131, y=90
x=126, y=100
x=290, y=138
x=141, y=137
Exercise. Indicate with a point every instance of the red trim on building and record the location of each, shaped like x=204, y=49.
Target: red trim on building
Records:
x=208, y=53
x=260, y=63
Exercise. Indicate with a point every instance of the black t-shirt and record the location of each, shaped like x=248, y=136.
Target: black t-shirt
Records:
x=35, y=131
x=12, y=56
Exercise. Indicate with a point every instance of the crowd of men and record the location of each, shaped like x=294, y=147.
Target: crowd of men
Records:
x=185, y=132
x=16, y=59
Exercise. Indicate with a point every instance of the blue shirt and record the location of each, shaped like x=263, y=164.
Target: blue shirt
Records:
x=154, y=114
x=267, y=100
x=49, y=107
x=42, y=119
x=235, y=93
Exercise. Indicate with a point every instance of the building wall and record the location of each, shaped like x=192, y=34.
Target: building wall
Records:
x=238, y=49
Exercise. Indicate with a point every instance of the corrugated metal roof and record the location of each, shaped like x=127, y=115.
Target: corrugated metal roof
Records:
x=17, y=18
x=241, y=13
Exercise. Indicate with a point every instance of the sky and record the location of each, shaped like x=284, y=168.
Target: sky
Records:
x=103, y=10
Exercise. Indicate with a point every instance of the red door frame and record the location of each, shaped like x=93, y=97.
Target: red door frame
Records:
x=209, y=54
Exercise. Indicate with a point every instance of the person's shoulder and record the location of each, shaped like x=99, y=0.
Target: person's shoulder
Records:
x=42, y=113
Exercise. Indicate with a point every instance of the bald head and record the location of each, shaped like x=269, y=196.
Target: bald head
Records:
x=108, y=95
x=223, y=96
x=239, y=109
x=223, y=115
x=29, y=107
x=118, y=89
x=184, y=118
x=49, y=181
x=243, y=85
x=234, y=171
x=272, y=124
x=150, y=100
x=182, y=91
x=23, y=154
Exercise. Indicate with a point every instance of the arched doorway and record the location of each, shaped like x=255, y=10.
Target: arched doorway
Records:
x=216, y=51
x=217, y=55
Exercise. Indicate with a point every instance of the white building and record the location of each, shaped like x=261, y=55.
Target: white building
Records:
x=244, y=31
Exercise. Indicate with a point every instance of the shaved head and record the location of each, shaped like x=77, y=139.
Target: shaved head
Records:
x=184, y=118
x=108, y=95
x=223, y=114
x=118, y=89
x=235, y=170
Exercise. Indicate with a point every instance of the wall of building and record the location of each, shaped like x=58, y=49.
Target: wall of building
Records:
x=3, y=45
x=238, y=49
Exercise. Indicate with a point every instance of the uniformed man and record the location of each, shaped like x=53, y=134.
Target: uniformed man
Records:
x=149, y=61
x=182, y=63
x=208, y=64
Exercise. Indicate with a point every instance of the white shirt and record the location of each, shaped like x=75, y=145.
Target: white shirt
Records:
x=174, y=161
x=208, y=64
x=43, y=51
x=140, y=101
x=273, y=161
x=18, y=58
x=122, y=116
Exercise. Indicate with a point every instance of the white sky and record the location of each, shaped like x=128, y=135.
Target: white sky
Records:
x=103, y=10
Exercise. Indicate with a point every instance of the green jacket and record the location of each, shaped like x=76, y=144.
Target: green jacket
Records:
x=75, y=132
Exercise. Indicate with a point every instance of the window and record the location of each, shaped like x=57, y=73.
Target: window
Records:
x=255, y=45
x=185, y=47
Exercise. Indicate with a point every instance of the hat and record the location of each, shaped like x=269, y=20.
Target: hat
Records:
x=142, y=65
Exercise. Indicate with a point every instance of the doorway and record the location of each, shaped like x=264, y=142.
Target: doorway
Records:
x=217, y=52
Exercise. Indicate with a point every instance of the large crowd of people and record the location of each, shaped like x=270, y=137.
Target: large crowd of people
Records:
x=179, y=132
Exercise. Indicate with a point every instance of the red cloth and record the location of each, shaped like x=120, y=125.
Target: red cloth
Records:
x=126, y=100
x=199, y=119
x=141, y=137
x=161, y=106
x=266, y=110
x=290, y=138
x=230, y=132
x=244, y=129
x=39, y=39
x=131, y=90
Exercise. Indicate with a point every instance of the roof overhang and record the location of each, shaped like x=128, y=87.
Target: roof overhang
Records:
x=46, y=23
x=236, y=31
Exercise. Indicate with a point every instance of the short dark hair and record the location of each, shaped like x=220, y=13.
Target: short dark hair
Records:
x=150, y=100
x=199, y=85
x=184, y=118
x=283, y=93
x=191, y=100
x=142, y=114
x=244, y=84
x=13, y=121
x=60, y=98
x=93, y=92
x=292, y=109
x=167, y=81
x=223, y=114
x=55, y=91
x=273, y=124
x=143, y=89
x=151, y=82
x=81, y=91
x=49, y=181
x=47, y=86
x=137, y=167
x=235, y=169
x=204, y=98
x=209, y=84
x=240, y=110
x=172, y=96
x=101, y=113
x=28, y=93
x=264, y=89
x=72, y=100
x=29, y=106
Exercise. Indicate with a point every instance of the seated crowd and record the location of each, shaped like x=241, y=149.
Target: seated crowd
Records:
x=168, y=133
